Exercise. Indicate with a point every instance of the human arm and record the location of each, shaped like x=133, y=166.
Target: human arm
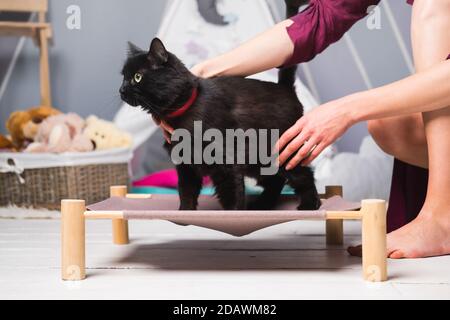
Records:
x=292, y=41
x=422, y=92
x=268, y=50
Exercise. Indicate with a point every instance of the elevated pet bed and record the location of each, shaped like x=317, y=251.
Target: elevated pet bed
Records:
x=121, y=207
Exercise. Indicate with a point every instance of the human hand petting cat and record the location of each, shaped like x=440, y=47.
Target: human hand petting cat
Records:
x=199, y=70
x=313, y=132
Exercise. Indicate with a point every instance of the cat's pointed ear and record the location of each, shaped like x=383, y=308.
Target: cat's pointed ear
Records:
x=158, y=52
x=133, y=49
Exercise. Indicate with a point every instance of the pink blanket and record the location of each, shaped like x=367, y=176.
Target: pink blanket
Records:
x=163, y=179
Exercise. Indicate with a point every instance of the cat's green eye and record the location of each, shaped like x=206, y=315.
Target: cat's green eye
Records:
x=138, y=77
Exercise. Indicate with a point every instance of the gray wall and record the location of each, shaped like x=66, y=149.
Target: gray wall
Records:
x=85, y=64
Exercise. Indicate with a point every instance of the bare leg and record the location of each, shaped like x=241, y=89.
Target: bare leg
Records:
x=404, y=137
x=429, y=233
x=427, y=146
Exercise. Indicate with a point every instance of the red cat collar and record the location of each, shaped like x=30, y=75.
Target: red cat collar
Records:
x=182, y=110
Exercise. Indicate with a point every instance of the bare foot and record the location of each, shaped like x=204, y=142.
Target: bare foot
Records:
x=426, y=236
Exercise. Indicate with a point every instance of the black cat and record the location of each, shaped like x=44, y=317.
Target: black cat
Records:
x=158, y=82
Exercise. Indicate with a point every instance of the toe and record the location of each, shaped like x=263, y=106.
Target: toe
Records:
x=397, y=254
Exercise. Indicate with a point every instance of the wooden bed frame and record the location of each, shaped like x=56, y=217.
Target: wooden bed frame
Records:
x=372, y=214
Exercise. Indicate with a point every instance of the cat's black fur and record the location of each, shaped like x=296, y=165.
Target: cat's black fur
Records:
x=222, y=103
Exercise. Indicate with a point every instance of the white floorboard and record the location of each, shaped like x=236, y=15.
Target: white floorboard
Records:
x=166, y=261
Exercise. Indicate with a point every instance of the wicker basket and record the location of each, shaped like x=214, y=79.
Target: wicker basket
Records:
x=45, y=187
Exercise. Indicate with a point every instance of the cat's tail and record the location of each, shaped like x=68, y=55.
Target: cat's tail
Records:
x=288, y=75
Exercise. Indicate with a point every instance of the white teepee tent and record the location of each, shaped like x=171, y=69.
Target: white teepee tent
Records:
x=187, y=33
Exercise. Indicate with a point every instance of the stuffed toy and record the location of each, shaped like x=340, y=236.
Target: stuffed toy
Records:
x=5, y=143
x=61, y=133
x=105, y=134
x=23, y=126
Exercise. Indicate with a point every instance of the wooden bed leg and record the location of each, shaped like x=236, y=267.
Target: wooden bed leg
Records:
x=334, y=228
x=120, y=226
x=374, y=240
x=73, y=240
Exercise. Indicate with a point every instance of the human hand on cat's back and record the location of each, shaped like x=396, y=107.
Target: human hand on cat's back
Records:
x=199, y=70
x=210, y=68
x=315, y=131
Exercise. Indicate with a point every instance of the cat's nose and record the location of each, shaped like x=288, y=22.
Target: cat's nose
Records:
x=122, y=89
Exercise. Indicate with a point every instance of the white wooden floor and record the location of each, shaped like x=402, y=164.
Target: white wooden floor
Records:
x=165, y=261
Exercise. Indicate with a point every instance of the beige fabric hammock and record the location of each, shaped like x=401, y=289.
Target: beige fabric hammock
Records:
x=210, y=214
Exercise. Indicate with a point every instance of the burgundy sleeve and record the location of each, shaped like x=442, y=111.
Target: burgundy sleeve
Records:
x=322, y=23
